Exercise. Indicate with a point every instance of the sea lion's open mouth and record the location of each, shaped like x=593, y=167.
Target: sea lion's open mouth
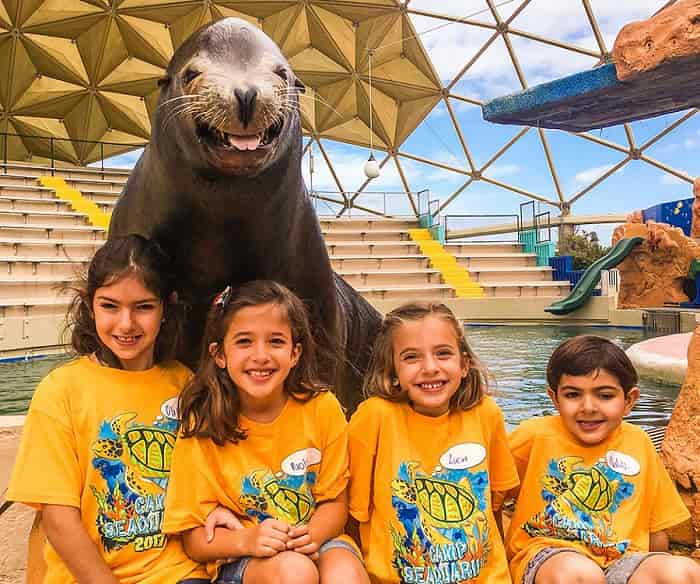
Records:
x=218, y=140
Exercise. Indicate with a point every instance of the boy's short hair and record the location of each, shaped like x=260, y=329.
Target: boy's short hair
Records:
x=584, y=354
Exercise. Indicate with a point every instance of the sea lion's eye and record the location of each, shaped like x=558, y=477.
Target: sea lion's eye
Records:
x=282, y=73
x=190, y=75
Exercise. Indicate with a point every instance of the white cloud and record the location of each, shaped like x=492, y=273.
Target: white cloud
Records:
x=452, y=46
x=502, y=170
x=670, y=179
x=690, y=143
x=589, y=175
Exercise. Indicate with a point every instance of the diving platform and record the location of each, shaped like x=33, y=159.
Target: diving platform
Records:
x=655, y=70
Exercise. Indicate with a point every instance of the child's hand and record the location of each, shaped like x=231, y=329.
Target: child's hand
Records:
x=268, y=538
x=220, y=517
x=300, y=541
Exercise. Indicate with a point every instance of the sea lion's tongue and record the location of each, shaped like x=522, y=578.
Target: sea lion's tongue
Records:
x=244, y=142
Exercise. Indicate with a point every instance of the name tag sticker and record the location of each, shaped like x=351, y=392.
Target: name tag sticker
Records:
x=169, y=409
x=622, y=463
x=297, y=462
x=465, y=455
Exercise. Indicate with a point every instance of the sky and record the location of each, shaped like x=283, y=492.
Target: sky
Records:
x=578, y=162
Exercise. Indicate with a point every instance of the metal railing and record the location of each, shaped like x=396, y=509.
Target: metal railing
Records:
x=529, y=208
x=450, y=220
x=46, y=146
x=543, y=221
x=390, y=204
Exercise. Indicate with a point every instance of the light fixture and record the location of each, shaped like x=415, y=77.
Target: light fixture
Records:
x=371, y=166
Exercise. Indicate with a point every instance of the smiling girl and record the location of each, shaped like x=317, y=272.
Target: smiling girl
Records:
x=263, y=439
x=428, y=456
x=97, y=442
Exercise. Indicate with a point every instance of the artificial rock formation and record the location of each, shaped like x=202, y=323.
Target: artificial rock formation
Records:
x=681, y=447
x=695, y=225
x=671, y=37
x=654, y=272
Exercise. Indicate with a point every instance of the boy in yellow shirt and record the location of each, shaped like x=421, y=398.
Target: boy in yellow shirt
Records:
x=595, y=498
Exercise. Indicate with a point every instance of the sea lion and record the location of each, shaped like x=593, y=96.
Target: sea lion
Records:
x=220, y=188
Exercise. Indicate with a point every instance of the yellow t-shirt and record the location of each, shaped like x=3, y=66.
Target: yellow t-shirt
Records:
x=602, y=500
x=282, y=470
x=420, y=487
x=101, y=439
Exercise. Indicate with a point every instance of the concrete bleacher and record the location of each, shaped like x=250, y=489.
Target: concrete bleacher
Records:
x=45, y=247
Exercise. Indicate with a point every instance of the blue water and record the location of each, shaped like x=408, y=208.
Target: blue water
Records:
x=516, y=356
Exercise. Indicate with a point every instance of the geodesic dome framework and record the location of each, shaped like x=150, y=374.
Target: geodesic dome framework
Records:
x=86, y=71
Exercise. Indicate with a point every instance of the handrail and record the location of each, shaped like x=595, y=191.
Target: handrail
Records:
x=344, y=199
x=52, y=150
x=538, y=227
x=453, y=216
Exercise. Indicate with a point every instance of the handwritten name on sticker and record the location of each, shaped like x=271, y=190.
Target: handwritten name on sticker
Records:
x=169, y=409
x=297, y=462
x=465, y=455
x=622, y=463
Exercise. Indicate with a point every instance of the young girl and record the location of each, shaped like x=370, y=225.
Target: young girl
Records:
x=96, y=446
x=262, y=438
x=428, y=456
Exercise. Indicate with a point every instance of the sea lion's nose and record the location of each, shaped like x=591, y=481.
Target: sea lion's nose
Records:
x=246, y=105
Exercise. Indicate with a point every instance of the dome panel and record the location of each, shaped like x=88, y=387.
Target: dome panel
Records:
x=59, y=147
x=184, y=26
x=356, y=11
x=384, y=111
x=162, y=11
x=313, y=62
x=86, y=123
x=259, y=8
x=133, y=77
x=410, y=115
x=56, y=57
x=222, y=11
x=337, y=103
x=307, y=108
x=354, y=131
x=278, y=25
x=125, y=113
x=47, y=97
x=5, y=21
x=61, y=18
x=147, y=40
x=332, y=35
x=21, y=10
x=295, y=37
x=17, y=72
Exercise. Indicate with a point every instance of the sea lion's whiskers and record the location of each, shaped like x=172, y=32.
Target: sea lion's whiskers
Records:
x=191, y=96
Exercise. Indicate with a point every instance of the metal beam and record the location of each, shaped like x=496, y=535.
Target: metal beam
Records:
x=556, y=221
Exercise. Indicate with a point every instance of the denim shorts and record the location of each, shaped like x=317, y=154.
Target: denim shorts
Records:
x=232, y=573
x=619, y=572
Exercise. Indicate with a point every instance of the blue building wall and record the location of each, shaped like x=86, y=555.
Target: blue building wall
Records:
x=676, y=213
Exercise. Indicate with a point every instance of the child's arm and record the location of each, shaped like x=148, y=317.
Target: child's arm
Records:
x=66, y=533
x=658, y=542
x=327, y=522
x=220, y=517
x=261, y=541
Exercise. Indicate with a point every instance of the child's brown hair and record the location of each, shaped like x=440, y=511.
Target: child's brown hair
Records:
x=382, y=373
x=585, y=354
x=210, y=405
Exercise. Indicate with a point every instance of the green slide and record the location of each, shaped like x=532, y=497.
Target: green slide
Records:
x=591, y=276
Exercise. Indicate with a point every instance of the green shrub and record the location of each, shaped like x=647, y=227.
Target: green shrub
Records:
x=583, y=247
